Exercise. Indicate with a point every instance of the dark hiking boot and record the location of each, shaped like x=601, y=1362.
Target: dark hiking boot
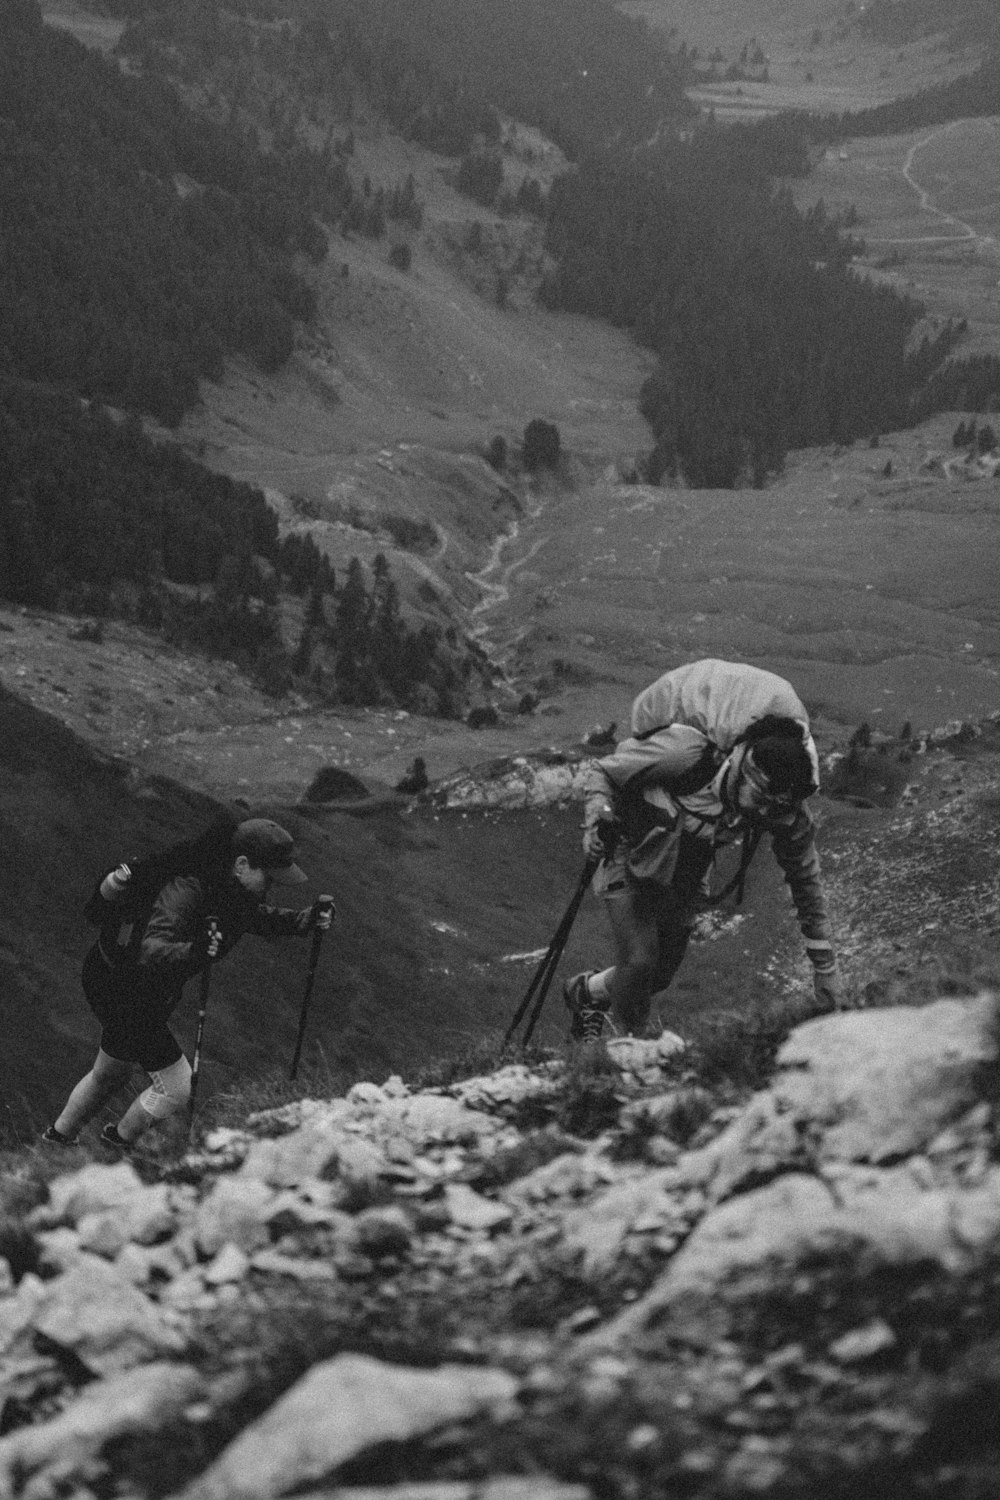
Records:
x=109, y=1137
x=54, y=1137
x=588, y=1014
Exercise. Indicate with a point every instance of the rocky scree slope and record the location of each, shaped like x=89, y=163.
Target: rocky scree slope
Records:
x=571, y=1277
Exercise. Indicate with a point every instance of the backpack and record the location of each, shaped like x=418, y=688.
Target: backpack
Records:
x=207, y=856
x=730, y=703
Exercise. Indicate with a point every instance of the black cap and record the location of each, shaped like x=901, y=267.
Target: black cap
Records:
x=786, y=764
x=269, y=847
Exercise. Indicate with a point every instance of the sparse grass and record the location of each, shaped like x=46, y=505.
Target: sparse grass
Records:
x=677, y=1116
x=480, y=1055
x=590, y=1096
x=535, y=1149
x=736, y=1049
x=26, y=1172
x=232, y=1107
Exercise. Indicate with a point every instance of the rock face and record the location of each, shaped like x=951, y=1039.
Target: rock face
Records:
x=872, y=1154
x=539, y=780
x=867, y=1086
x=850, y=1092
x=336, y=1411
x=119, y=1406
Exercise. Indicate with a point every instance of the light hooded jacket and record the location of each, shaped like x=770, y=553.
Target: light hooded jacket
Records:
x=667, y=779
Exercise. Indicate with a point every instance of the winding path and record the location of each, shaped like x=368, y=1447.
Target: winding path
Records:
x=966, y=233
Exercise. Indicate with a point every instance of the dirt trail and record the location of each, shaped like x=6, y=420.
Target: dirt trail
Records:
x=966, y=233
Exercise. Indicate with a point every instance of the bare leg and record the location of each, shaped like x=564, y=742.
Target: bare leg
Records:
x=134, y=1122
x=169, y=1091
x=651, y=925
x=633, y=918
x=95, y=1088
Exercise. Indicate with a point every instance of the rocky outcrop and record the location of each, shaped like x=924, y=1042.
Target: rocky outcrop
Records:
x=871, y=1155
x=803, y=1174
x=341, y=1407
x=542, y=779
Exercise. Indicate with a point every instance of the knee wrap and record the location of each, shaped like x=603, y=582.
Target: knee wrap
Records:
x=169, y=1091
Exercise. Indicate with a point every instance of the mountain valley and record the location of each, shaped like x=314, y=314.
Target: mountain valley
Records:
x=758, y=1254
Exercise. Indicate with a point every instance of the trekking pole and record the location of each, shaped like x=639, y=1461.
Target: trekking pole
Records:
x=204, y=986
x=586, y=876
x=321, y=903
x=544, y=973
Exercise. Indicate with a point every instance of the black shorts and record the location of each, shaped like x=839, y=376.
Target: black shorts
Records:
x=131, y=1030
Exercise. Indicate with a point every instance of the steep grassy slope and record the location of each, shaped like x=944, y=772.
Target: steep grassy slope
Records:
x=443, y=916
x=426, y=909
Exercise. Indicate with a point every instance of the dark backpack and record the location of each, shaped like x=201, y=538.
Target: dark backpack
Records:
x=209, y=856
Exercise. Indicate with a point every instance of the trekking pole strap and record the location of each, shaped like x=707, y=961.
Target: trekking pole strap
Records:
x=751, y=841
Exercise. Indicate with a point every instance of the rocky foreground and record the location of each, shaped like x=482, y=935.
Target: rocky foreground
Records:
x=580, y=1278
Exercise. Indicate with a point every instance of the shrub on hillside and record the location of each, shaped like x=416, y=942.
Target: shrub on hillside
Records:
x=480, y=176
x=540, y=445
x=870, y=777
x=496, y=453
x=401, y=256
x=411, y=535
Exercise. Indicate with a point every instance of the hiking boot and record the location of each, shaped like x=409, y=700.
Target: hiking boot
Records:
x=109, y=1137
x=54, y=1137
x=588, y=1014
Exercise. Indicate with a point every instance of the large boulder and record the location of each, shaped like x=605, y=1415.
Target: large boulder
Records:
x=97, y=1315
x=865, y=1086
x=39, y=1459
x=94, y=1189
x=885, y=1218
x=863, y=1149
x=337, y=1410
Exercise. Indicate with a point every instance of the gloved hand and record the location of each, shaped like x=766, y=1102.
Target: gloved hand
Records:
x=323, y=913
x=207, y=947
x=600, y=836
x=600, y=830
x=115, y=882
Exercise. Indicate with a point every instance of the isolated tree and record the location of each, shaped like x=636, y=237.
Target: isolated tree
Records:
x=480, y=176
x=540, y=445
x=303, y=653
x=496, y=453
x=315, y=617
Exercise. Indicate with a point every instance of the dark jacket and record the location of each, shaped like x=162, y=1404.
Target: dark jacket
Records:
x=153, y=961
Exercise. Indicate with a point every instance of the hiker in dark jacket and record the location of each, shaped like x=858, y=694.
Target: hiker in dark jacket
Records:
x=134, y=974
x=718, y=751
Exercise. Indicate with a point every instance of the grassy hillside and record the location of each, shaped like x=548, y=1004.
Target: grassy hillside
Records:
x=427, y=908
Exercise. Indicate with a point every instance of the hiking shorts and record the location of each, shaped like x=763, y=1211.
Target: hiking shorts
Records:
x=675, y=881
x=131, y=1030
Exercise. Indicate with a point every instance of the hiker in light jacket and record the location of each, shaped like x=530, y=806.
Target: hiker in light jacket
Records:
x=134, y=974
x=718, y=751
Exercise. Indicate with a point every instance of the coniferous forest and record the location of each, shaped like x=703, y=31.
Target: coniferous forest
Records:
x=160, y=218
x=767, y=339
x=139, y=242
